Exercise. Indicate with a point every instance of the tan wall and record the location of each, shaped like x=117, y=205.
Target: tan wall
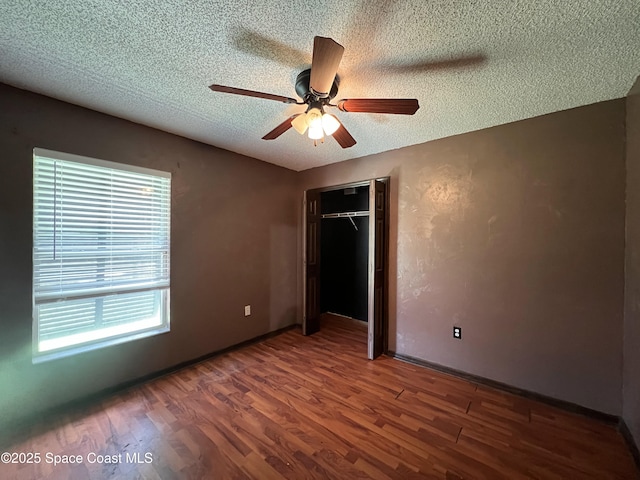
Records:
x=631, y=382
x=516, y=234
x=233, y=241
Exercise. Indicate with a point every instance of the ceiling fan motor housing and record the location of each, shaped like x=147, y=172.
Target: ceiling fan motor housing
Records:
x=304, y=91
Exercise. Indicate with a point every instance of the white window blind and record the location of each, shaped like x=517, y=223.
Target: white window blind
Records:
x=100, y=251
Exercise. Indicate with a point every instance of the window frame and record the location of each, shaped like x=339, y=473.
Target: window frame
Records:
x=164, y=291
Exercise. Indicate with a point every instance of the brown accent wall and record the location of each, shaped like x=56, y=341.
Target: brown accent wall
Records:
x=233, y=242
x=516, y=234
x=631, y=375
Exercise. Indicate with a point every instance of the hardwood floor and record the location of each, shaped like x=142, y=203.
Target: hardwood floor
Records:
x=313, y=407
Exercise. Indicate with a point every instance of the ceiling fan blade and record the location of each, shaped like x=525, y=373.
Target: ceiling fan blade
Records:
x=324, y=65
x=251, y=93
x=343, y=137
x=280, y=129
x=400, y=106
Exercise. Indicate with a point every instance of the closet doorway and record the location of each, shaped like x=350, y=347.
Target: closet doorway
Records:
x=345, y=257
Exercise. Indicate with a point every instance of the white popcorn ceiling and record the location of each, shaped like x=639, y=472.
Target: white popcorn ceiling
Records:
x=482, y=63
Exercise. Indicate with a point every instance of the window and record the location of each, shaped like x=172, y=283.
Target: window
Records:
x=100, y=253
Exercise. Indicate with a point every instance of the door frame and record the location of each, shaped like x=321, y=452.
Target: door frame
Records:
x=370, y=267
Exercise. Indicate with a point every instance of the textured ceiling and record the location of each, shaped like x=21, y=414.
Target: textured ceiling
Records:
x=471, y=65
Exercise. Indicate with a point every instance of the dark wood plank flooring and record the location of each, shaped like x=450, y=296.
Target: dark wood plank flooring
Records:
x=313, y=407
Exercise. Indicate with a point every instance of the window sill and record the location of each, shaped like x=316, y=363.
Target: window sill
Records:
x=70, y=351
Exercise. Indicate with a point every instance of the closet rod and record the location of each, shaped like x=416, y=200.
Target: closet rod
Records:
x=346, y=214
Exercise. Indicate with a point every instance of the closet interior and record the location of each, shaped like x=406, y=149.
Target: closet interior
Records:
x=344, y=249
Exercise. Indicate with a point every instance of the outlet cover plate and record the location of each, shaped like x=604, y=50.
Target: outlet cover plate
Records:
x=457, y=333
x=247, y=310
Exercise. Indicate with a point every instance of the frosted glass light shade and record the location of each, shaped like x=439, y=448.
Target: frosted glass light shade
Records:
x=330, y=124
x=314, y=118
x=300, y=123
x=316, y=132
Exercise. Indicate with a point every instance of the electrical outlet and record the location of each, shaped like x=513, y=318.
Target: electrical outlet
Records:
x=457, y=333
x=247, y=310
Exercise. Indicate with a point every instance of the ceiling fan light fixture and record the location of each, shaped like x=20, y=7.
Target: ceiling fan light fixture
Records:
x=317, y=86
x=330, y=124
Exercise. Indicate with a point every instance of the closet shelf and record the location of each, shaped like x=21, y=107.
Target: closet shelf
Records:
x=364, y=213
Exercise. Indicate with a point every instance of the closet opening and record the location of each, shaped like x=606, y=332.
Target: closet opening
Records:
x=345, y=257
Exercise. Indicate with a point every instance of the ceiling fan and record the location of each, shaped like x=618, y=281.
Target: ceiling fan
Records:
x=317, y=86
